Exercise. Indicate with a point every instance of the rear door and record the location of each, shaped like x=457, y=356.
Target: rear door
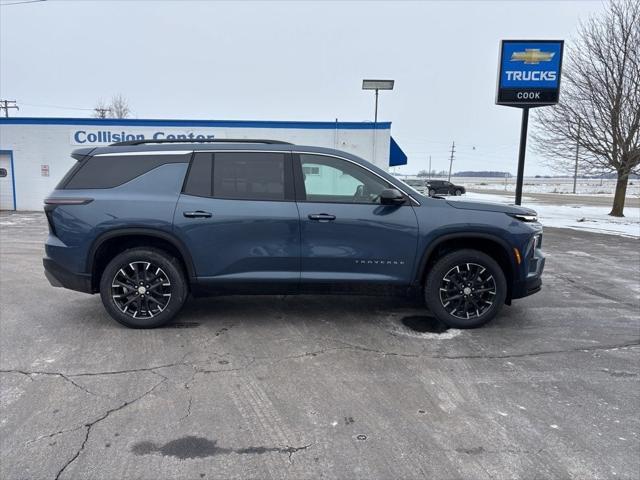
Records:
x=347, y=235
x=239, y=220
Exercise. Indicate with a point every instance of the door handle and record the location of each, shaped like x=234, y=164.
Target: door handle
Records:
x=322, y=217
x=197, y=214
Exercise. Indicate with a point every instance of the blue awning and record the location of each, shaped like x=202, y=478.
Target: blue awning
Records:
x=396, y=155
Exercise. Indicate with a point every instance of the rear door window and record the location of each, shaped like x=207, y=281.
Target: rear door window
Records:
x=241, y=176
x=249, y=176
x=199, y=179
x=106, y=171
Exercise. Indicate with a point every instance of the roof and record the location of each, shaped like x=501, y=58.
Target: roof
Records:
x=149, y=122
x=195, y=146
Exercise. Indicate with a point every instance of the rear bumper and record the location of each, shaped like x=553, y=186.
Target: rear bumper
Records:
x=59, y=276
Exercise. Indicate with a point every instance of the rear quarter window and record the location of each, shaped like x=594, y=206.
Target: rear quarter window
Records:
x=105, y=171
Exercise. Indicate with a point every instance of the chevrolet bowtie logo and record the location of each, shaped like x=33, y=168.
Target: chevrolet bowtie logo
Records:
x=532, y=56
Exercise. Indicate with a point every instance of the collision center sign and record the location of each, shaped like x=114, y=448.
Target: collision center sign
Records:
x=529, y=72
x=105, y=136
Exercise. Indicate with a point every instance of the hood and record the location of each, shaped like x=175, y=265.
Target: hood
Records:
x=492, y=207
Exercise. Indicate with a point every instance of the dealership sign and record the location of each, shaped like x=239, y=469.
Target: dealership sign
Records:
x=102, y=136
x=529, y=72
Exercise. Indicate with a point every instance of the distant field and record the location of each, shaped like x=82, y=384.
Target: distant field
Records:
x=549, y=185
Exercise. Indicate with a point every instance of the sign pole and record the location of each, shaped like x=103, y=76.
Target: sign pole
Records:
x=529, y=74
x=523, y=150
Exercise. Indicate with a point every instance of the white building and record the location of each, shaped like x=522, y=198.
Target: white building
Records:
x=35, y=152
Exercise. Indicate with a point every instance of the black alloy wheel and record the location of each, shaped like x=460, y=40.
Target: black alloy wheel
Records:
x=465, y=288
x=143, y=287
x=467, y=291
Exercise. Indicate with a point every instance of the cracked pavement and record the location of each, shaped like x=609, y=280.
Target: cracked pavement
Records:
x=332, y=387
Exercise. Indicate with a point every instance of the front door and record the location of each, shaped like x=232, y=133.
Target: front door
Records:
x=347, y=235
x=238, y=218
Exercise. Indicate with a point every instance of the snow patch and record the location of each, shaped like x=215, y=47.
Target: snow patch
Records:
x=577, y=217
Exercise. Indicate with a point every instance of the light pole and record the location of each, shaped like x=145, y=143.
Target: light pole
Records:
x=376, y=85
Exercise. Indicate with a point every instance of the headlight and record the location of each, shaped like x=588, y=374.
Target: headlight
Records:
x=537, y=241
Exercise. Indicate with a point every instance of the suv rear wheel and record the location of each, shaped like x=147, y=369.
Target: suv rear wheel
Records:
x=143, y=287
x=465, y=289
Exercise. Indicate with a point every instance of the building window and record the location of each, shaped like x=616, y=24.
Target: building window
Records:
x=307, y=170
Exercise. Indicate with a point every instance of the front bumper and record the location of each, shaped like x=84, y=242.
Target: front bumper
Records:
x=533, y=281
x=59, y=276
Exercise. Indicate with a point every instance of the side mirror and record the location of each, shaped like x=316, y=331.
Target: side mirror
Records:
x=391, y=196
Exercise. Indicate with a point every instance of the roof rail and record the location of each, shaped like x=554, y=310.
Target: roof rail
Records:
x=201, y=140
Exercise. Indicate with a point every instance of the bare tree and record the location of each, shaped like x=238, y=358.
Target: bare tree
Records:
x=119, y=107
x=599, y=109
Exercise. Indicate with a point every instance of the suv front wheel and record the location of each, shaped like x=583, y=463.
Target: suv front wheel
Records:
x=143, y=287
x=465, y=289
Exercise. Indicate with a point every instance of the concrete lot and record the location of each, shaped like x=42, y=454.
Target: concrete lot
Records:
x=323, y=387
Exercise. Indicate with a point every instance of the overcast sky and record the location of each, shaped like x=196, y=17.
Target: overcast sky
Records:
x=286, y=61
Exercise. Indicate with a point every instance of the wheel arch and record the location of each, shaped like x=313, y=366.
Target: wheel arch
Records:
x=492, y=245
x=113, y=242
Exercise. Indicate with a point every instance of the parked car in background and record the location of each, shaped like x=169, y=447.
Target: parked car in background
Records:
x=145, y=223
x=442, y=187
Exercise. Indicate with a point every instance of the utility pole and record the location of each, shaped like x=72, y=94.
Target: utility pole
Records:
x=5, y=105
x=575, y=170
x=453, y=149
x=101, y=112
x=429, y=176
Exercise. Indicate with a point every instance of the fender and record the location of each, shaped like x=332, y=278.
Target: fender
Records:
x=422, y=266
x=126, y=232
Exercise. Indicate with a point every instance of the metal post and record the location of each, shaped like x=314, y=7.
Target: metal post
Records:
x=575, y=170
x=375, y=125
x=429, y=176
x=521, y=154
x=375, y=118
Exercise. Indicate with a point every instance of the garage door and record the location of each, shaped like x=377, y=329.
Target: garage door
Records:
x=6, y=182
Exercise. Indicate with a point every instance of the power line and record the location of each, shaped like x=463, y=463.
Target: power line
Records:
x=20, y=3
x=56, y=106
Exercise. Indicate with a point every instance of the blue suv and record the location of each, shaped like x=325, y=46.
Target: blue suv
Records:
x=146, y=223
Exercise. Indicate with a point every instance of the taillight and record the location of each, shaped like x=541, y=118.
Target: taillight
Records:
x=67, y=201
x=49, y=214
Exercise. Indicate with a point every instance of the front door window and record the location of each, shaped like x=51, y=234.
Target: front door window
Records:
x=333, y=180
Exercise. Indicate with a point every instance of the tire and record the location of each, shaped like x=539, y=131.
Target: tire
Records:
x=432, y=192
x=458, y=192
x=486, y=295
x=138, y=307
